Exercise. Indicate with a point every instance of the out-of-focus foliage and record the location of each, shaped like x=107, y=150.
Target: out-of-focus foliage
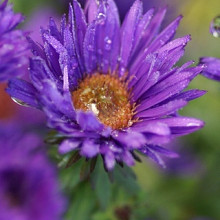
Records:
x=161, y=195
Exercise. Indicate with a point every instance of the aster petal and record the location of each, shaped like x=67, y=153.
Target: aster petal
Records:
x=173, y=79
x=145, y=83
x=163, y=59
x=102, y=40
x=161, y=96
x=160, y=111
x=150, y=32
x=131, y=139
x=182, y=125
x=23, y=91
x=164, y=151
x=165, y=36
x=153, y=139
x=68, y=145
x=78, y=26
x=90, y=56
x=40, y=71
x=153, y=155
x=128, y=158
x=56, y=102
x=212, y=69
x=89, y=149
x=190, y=95
x=50, y=55
x=88, y=121
x=142, y=26
x=36, y=49
x=91, y=9
x=174, y=51
x=109, y=159
x=67, y=58
x=128, y=32
x=153, y=28
x=157, y=128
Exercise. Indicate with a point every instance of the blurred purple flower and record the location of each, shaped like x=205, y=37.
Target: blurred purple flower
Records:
x=13, y=43
x=212, y=70
x=28, y=182
x=38, y=20
x=112, y=90
x=187, y=164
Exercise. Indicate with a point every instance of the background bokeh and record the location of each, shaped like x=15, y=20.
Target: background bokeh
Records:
x=189, y=188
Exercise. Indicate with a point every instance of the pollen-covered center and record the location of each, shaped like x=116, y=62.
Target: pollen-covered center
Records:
x=107, y=97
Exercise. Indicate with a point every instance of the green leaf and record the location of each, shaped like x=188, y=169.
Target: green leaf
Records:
x=125, y=177
x=102, y=185
x=81, y=204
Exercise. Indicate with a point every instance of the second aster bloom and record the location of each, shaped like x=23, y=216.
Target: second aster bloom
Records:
x=13, y=43
x=28, y=182
x=111, y=89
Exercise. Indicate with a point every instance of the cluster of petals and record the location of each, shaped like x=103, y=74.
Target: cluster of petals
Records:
x=97, y=42
x=13, y=43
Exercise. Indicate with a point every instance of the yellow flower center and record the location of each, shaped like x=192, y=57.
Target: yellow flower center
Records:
x=107, y=97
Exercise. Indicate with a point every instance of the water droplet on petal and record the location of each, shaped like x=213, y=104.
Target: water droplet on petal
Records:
x=108, y=43
x=215, y=27
x=90, y=47
x=101, y=18
x=19, y=102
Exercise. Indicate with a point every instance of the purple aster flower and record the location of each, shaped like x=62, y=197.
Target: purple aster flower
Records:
x=28, y=183
x=112, y=90
x=13, y=43
x=212, y=70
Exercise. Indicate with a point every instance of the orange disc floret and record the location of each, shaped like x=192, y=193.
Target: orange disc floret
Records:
x=107, y=97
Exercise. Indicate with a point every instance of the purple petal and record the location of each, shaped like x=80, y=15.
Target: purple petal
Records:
x=109, y=159
x=165, y=36
x=157, y=128
x=142, y=26
x=128, y=158
x=174, y=79
x=164, y=151
x=91, y=9
x=128, y=32
x=161, y=96
x=88, y=121
x=189, y=95
x=68, y=145
x=152, y=29
x=212, y=69
x=154, y=156
x=163, y=110
x=131, y=139
x=23, y=91
x=89, y=149
x=78, y=26
x=183, y=125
